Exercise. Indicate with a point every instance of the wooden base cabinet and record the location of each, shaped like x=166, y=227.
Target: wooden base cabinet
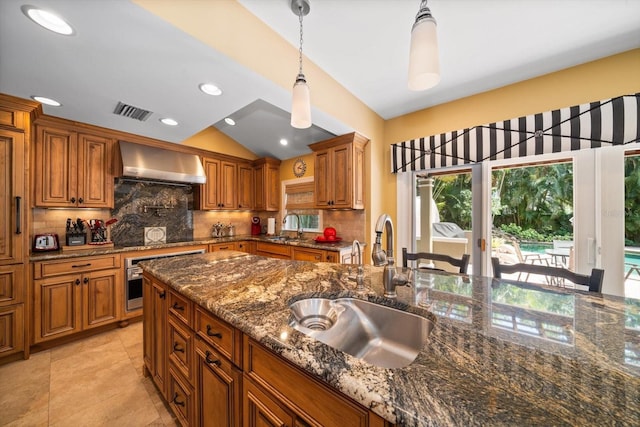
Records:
x=213, y=375
x=11, y=329
x=74, y=295
x=65, y=305
x=154, y=301
x=219, y=388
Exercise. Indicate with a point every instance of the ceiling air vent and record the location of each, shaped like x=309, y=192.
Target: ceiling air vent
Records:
x=132, y=112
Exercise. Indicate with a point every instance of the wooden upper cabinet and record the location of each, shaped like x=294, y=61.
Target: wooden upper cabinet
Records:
x=266, y=184
x=12, y=197
x=72, y=169
x=245, y=186
x=340, y=172
x=219, y=192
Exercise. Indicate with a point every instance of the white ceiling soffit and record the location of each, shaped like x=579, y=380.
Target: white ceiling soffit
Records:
x=484, y=44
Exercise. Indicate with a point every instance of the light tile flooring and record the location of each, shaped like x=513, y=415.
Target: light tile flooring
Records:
x=93, y=382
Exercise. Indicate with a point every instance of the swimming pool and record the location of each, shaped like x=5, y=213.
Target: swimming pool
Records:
x=629, y=257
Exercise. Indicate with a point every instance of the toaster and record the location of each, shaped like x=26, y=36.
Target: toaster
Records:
x=45, y=242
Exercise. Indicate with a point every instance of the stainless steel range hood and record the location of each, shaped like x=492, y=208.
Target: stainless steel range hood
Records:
x=143, y=161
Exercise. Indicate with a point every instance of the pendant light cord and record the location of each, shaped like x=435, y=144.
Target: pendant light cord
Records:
x=300, y=50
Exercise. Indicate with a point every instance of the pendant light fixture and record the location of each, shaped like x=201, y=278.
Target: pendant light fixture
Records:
x=301, y=101
x=424, y=61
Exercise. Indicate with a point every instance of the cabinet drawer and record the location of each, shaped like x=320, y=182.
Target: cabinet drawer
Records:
x=303, y=394
x=181, y=308
x=180, y=348
x=181, y=399
x=269, y=249
x=43, y=269
x=231, y=246
x=218, y=334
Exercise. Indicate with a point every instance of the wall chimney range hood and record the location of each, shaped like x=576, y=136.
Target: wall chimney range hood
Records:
x=147, y=162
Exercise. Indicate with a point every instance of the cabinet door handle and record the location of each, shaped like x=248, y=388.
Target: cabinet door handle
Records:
x=177, y=306
x=176, y=347
x=162, y=295
x=80, y=200
x=210, y=361
x=85, y=280
x=73, y=200
x=77, y=282
x=81, y=265
x=213, y=334
x=18, y=215
x=176, y=401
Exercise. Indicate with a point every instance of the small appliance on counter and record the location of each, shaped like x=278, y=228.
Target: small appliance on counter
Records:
x=45, y=242
x=75, y=233
x=256, y=229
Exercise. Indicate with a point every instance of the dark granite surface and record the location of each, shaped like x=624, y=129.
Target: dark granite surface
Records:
x=500, y=353
x=101, y=250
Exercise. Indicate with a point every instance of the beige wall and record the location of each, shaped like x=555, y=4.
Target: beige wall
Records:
x=213, y=140
x=601, y=79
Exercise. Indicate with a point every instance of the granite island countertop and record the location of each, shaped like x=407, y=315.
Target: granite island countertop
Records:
x=499, y=354
x=101, y=250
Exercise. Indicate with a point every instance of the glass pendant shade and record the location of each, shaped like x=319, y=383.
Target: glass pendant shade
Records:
x=301, y=104
x=424, y=61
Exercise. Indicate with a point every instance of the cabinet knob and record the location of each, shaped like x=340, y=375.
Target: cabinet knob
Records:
x=77, y=282
x=213, y=334
x=85, y=280
x=80, y=200
x=162, y=295
x=73, y=200
x=176, y=401
x=211, y=361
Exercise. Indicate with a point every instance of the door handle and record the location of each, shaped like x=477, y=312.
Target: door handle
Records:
x=18, y=215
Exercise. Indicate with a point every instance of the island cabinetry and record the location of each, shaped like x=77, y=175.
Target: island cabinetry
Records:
x=77, y=295
x=266, y=185
x=273, y=250
x=219, y=388
x=72, y=169
x=277, y=393
x=245, y=186
x=219, y=192
x=229, y=246
x=340, y=172
x=154, y=337
x=180, y=353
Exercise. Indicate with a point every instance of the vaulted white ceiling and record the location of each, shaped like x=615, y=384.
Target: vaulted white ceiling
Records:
x=121, y=52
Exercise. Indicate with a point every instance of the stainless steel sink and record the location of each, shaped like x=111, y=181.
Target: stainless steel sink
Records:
x=380, y=335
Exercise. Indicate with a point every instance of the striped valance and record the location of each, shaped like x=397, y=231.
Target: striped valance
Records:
x=612, y=121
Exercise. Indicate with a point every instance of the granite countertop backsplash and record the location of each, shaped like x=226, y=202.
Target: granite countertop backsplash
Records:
x=100, y=250
x=499, y=354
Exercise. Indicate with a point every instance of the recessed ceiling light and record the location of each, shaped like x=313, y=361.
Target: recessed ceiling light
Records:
x=169, y=122
x=283, y=141
x=48, y=101
x=230, y=121
x=48, y=20
x=210, y=89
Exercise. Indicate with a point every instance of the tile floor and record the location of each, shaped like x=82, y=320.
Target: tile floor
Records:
x=93, y=382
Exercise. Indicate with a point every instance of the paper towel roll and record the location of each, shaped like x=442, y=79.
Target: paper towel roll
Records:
x=271, y=226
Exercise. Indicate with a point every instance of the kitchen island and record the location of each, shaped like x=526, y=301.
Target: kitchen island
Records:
x=499, y=354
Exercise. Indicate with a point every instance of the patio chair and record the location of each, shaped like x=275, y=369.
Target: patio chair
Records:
x=526, y=257
x=461, y=263
x=592, y=282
